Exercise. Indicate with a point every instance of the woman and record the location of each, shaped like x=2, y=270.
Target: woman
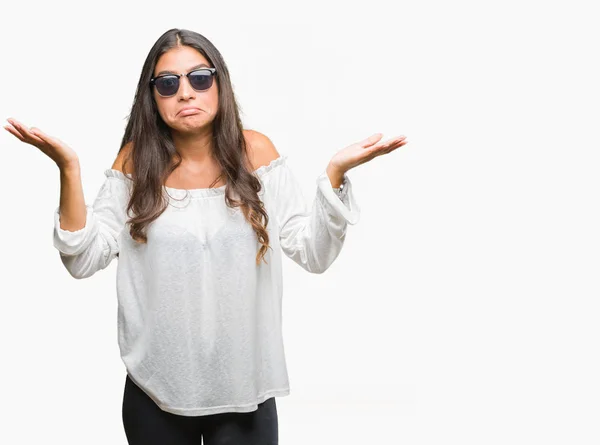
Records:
x=198, y=211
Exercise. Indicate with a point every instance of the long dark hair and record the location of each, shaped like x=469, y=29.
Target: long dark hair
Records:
x=152, y=149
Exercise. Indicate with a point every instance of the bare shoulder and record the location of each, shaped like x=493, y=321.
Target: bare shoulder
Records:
x=123, y=162
x=261, y=149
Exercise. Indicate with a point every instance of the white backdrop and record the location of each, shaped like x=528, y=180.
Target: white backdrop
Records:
x=464, y=305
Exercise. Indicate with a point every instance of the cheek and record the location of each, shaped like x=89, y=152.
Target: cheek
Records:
x=213, y=102
x=165, y=111
x=160, y=107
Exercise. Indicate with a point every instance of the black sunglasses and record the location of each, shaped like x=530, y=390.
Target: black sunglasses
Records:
x=168, y=84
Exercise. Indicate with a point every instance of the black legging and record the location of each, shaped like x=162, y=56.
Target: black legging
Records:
x=146, y=424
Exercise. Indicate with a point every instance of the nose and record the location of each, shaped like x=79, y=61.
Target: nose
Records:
x=186, y=91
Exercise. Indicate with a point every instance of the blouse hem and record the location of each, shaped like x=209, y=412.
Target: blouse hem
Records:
x=248, y=407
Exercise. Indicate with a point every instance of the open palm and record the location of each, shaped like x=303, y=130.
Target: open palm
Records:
x=54, y=148
x=365, y=150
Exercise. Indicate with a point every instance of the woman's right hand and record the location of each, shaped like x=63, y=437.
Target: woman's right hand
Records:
x=54, y=148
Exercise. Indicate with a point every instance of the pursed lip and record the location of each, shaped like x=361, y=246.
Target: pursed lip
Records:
x=188, y=108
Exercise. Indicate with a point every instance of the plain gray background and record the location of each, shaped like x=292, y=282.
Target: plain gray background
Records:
x=464, y=305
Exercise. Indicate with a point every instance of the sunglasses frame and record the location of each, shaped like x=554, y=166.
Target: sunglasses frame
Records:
x=212, y=71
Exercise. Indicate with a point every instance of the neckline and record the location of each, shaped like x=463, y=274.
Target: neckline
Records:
x=177, y=193
x=182, y=193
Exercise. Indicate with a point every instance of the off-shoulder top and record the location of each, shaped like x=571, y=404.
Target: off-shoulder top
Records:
x=199, y=322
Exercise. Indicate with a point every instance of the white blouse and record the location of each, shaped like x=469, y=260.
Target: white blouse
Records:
x=199, y=322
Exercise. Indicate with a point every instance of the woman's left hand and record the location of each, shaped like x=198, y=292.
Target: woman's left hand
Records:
x=363, y=151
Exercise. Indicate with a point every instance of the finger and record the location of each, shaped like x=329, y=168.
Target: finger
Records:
x=387, y=148
x=39, y=133
x=16, y=127
x=13, y=131
x=370, y=140
x=395, y=141
x=389, y=144
x=54, y=142
x=25, y=132
x=394, y=147
x=397, y=144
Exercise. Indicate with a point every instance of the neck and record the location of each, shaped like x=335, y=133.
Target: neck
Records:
x=196, y=149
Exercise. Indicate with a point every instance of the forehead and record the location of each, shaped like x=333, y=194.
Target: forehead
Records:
x=179, y=60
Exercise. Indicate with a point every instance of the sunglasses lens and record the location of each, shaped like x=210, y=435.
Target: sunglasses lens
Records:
x=201, y=80
x=167, y=85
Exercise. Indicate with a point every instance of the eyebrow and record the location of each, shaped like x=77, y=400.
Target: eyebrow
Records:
x=195, y=67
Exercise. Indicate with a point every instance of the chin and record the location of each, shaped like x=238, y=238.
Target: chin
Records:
x=191, y=129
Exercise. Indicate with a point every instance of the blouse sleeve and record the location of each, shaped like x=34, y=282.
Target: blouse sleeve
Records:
x=313, y=237
x=90, y=249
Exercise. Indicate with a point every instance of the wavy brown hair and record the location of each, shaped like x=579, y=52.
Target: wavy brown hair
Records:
x=152, y=153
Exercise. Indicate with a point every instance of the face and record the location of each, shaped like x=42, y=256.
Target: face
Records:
x=183, y=60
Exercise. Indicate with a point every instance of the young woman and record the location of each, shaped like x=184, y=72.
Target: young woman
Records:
x=198, y=210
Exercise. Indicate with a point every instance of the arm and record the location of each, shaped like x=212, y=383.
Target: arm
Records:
x=313, y=239
x=87, y=236
x=72, y=204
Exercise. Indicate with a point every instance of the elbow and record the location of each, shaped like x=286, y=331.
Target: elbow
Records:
x=313, y=259
x=76, y=269
x=317, y=271
x=319, y=266
x=323, y=257
x=79, y=276
x=94, y=256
